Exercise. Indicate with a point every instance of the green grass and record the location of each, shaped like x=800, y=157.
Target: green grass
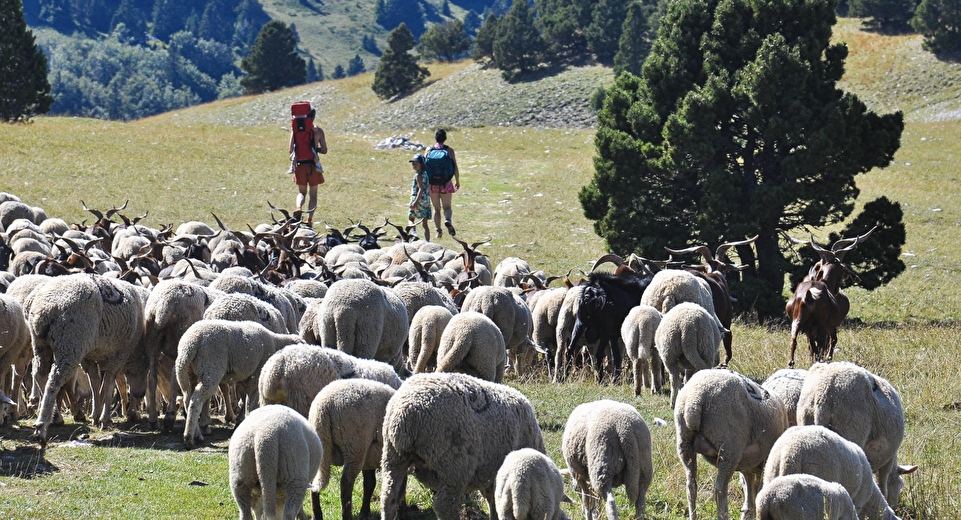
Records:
x=520, y=189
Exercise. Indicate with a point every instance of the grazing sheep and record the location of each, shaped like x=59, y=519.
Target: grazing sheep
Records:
x=687, y=339
x=864, y=409
x=512, y=317
x=786, y=383
x=83, y=320
x=364, y=320
x=472, y=344
x=607, y=444
x=348, y=415
x=566, y=318
x=244, y=307
x=350, y=367
x=294, y=375
x=545, y=314
x=172, y=307
x=529, y=487
x=267, y=293
x=15, y=352
x=732, y=422
x=424, y=337
x=453, y=431
x=671, y=287
x=417, y=295
x=306, y=288
x=804, y=497
x=273, y=456
x=510, y=271
x=818, y=451
x=637, y=332
x=213, y=352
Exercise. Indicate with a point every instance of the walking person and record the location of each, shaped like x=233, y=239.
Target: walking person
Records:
x=419, y=208
x=444, y=179
x=309, y=174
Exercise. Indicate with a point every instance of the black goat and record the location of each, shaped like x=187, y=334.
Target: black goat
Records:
x=606, y=301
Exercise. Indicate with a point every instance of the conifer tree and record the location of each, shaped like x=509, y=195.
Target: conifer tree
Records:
x=724, y=137
x=444, y=41
x=940, y=23
x=635, y=42
x=356, y=66
x=24, y=88
x=273, y=62
x=314, y=72
x=484, y=42
x=604, y=33
x=398, y=72
x=885, y=15
x=518, y=47
x=339, y=72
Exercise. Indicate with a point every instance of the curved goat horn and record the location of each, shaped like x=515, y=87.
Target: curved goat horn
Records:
x=721, y=249
x=609, y=257
x=703, y=250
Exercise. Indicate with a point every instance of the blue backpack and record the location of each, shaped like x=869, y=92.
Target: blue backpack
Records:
x=440, y=166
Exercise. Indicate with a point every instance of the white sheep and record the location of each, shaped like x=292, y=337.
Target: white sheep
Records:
x=244, y=307
x=687, y=340
x=545, y=312
x=818, y=451
x=786, y=383
x=171, y=308
x=472, y=344
x=863, y=408
x=273, y=457
x=351, y=367
x=512, y=317
x=670, y=287
x=607, y=444
x=637, y=333
x=453, y=431
x=214, y=352
x=364, y=320
x=276, y=297
x=294, y=375
x=82, y=319
x=529, y=486
x=417, y=295
x=510, y=271
x=348, y=415
x=423, y=339
x=15, y=351
x=732, y=422
x=804, y=497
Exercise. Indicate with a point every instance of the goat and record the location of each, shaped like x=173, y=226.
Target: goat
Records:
x=819, y=306
x=712, y=271
x=606, y=301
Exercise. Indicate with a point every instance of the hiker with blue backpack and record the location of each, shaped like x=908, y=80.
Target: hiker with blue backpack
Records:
x=444, y=179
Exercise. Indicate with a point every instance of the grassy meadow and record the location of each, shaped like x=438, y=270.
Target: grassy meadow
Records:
x=519, y=190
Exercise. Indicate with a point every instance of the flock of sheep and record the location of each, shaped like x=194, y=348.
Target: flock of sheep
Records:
x=393, y=359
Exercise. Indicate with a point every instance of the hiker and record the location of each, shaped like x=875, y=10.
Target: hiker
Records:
x=419, y=209
x=308, y=174
x=444, y=180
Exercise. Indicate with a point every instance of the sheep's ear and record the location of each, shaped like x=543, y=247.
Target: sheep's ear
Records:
x=904, y=470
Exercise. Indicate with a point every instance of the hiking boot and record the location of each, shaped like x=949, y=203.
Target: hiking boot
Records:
x=450, y=228
x=439, y=233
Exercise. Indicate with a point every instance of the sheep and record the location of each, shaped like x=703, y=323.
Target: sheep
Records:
x=472, y=344
x=510, y=271
x=15, y=352
x=687, y=339
x=818, y=451
x=276, y=297
x=273, y=456
x=453, y=431
x=529, y=486
x=350, y=367
x=786, y=383
x=348, y=416
x=81, y=320
x=732, y=422
x=172, y=307
x=864, y=409
x=424, y=337
x=213, y=352
x=294, y=375
x=804, y=497
x=566, y=318
x=244, y=307
x=545, y=314
x=673, y=286
x=416, y=295
x=512, y=317
x=364, y=320
x=607, y=444
x=14, y=209
x=637, y=333
x=307, y=288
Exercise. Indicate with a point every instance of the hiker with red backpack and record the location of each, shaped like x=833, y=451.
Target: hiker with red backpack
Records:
x=444, y=179
x=307, y=141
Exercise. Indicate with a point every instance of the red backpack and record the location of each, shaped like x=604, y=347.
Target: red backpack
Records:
x=302, y=124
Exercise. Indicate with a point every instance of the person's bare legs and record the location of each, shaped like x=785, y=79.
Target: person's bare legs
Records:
x=448, y=212
x=435, y=199
x=307, y=194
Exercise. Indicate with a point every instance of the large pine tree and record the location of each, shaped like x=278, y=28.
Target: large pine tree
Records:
x=735, y=128
x=940, y=23
x=24, y=88
x=398, y=72
x=518, y=46
x=273, y=62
